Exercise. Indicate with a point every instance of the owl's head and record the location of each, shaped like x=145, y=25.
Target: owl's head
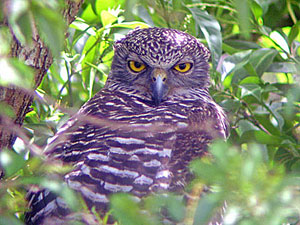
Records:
x=158, y=62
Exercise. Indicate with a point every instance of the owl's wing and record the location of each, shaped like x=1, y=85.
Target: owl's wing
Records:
x=205, y=121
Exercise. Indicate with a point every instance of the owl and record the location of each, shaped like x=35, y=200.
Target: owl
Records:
x=140, y=132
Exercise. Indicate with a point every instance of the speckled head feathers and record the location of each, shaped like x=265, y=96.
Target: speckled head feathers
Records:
x=162, y=45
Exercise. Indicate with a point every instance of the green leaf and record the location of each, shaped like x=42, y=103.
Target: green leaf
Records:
x=293, y=96
x=6, y=220
x=5, y=40
x=15, y=72
x=294, y=32
x=243, y=9
x=211, y=30
x=274, y=109
x=126, y=210
x=242, y=45
x=20, y=20
x=206, y=208
x=234, y=63
x=260, y=137
x=157, y=203
x=89, y=15
x=256, y=10
x=282, y=67
x=175, y=207
x=7, y=110
x=250, y=69
x=81, y=25
x=229, y=49
x=50, y=25
x=24, y=22
x=251, y=80
x=11, y=162
x=281, y=41
x=261, y=59
x=108, y=4
x=245, y=125
x=251, y=89
x=176, y=4
x=130, y=25
x=107, y=18
x=296, y=167
x=141, y=12
x=230, y=105
x=91, y=52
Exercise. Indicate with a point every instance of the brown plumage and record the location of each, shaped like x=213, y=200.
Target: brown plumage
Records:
x=139, y=133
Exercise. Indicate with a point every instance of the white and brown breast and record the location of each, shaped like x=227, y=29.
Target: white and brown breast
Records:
x=118, y=144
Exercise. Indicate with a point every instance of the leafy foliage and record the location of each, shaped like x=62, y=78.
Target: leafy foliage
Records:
x=255, y=76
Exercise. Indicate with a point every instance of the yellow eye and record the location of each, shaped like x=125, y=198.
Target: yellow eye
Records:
x=136, y=66
x=183, y=67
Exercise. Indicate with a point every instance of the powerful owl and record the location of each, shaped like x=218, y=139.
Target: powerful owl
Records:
x=139, y=133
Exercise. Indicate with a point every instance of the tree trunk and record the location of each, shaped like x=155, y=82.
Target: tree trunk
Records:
x=38, y=57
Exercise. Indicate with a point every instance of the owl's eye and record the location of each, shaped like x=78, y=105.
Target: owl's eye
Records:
x=183, y=67
x=136, y=66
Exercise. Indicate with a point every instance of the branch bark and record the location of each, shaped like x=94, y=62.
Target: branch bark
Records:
x=38, y=57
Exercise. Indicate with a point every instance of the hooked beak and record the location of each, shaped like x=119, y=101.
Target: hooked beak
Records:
x=159, y=88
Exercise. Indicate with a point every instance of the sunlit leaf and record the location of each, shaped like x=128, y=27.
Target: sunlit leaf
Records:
x=15, y=72
x=251, y=80
x=256, y=10
x=89, y=15
x=83, y=26
x=107, y=18
x=281, y=42
x=131, y=25
x=107, y=4
x=11, y=162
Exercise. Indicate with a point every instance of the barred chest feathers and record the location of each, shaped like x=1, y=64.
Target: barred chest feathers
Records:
x=135, y=147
